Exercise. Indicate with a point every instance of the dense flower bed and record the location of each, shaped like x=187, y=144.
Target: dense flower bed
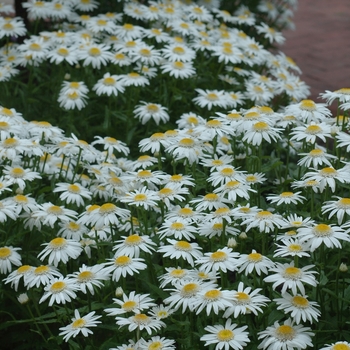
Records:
x=212, y=209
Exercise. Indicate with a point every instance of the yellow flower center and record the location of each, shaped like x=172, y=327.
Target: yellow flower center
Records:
x=94, y=51
x=145, y=52
x=218, y=226
x=213, y=123
x=109, y=81
x=6, y=111
x=218, y=256
x=8, y=26
x=101, y=22
x=183, y=246
x=120, y=56
x=212, y=96
x=252, y=115
x=141, y=319
x=58, y=243
x=255, y=257
x=300, y=302
x=73, y=95
x=79, y=323
x=176, y=178
x=178, y=65
x=287, y=194
x=186, y=142
x=122, y=260
x=264, y=214
x=165, y=191
x=41, y=270
x=85, y=276
x=227, y=172
x=10, y=142
x=157, y=345
x=328, y=172
x=258, y=89
x=17, y=172
x=57, y=6
x=22, y=269
x=129, y=305
x=157, y=136
x=179, y=50
x=58, y=287
x=308, y=105
x=313, y=129
x=189, y=290
x=295, y=248
x=178, y=226
x=140, y=197
x=344, y=203
x=128, y=26
x=144, y=174
x=178, y=273
x=225, y=335
x=73, y=188
x=133, y=240
x=266, y=109
x=213, y=294
x=285, y=332
x=20, y=199
x=251, y=178
x=55, y=210
x=35, y=47
x=227, y=50
x=63, y=52
x=340, y=346
x=316, y=153
x=4, y=126
x=107, y=208
x=292, y=273
x=242, y=298
x=211, y=197
x=5, y=253
x=221, y=211
x=322, y=230
x=152, y=108
x=261, y=126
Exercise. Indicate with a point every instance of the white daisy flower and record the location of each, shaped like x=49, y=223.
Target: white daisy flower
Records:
x=87, y=278
x=340, y=345
x=178, y=69
x=316, y=157
x=286, y=198
x=42, y=275
x=323, y=233
x=60, y=249
x=223, y=259
x=264, y=220
x=15, y=276
x=292, y=247
x=140, y=321
x=147, y=111
x=244, y=301
x=123, y=265
x=341, y=207
x=254, y=262
x=80, y=324
x=59, y=290
x=291, y=277
x=132, y=245
x=156, y=342
x=286, y=336
x=19, y=175
x=134, y=79
x=131, y=303
x=109, y=85
x=211, y=98
x=228, y=336
x=181, y=249
x=73, y=193
x=299, y=307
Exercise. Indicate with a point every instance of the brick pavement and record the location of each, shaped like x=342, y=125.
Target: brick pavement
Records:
x=320, y=45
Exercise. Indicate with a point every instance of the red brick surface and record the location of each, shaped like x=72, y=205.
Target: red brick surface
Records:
x=320, y=45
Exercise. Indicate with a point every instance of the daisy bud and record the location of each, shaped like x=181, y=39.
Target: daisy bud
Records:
x=119, y=292
x=67, y=76
x=19, y=191
x=232, y=243
x=243, y=235
x=23, y=298
x=343, y=267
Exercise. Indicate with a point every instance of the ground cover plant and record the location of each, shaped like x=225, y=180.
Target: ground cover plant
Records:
x=165, y=182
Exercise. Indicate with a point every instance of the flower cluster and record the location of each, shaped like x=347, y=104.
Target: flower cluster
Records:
x=227, y=228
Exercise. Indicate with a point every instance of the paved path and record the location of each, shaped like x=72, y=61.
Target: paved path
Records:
x=320, y=45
